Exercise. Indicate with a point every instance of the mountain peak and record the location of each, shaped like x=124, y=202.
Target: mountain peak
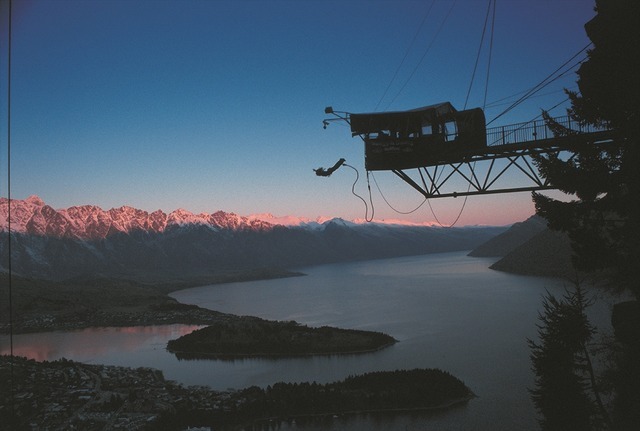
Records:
x=35, y=200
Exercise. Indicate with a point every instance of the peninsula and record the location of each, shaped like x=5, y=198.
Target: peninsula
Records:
x=65, y=394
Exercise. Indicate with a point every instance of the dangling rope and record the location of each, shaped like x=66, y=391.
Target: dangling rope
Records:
x=322, y=172
x=391, y=206
x=353, y=191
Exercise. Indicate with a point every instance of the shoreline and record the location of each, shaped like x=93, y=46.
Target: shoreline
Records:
x=273, y=355
x=440, y=407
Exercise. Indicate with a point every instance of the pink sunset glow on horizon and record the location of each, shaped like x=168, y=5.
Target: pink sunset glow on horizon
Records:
x=92, y=220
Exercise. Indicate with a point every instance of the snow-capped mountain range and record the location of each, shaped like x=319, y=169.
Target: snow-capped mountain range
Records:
x=125, y=241
x=33, y=216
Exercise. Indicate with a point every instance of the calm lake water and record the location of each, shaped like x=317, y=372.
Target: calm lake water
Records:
x=447, y=311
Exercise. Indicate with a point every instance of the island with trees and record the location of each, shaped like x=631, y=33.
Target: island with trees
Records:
x=252, y=336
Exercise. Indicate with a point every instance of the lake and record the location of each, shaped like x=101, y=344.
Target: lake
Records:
x=447, y=311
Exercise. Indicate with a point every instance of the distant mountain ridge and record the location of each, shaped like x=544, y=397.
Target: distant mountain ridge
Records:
x=128, y=242
x=32, y=216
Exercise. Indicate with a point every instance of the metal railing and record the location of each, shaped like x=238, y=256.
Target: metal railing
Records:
x=536, y=130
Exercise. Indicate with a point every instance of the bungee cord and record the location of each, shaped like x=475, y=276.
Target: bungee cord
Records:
x=353, y=191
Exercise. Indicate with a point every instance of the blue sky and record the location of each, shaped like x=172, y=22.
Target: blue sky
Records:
x=218, y=105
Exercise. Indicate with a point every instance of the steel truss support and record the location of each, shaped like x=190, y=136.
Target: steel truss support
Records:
x=499, y=172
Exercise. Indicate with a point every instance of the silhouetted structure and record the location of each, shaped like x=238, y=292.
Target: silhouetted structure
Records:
x=442, y=143
x=419, y=137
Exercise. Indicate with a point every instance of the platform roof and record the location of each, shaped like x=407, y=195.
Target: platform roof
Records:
x=399, y=120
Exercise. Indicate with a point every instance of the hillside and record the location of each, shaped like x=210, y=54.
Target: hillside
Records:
x=512, y=238
x=529, y=248
x=546, y=254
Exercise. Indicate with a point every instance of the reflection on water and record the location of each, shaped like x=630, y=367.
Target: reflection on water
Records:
x=88, y=344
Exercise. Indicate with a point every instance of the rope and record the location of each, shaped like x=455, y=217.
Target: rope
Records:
x=353, y=191
x=391, y=206
x=457, y=218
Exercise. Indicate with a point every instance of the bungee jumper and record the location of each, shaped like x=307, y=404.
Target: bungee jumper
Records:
x=321, y=172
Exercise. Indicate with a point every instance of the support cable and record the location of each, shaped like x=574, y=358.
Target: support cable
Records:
x=493, y=20
x=546, y=81
x=9, y=268
x=486, y=82
x=423, y=55
x=415, y=36
x=475, y=66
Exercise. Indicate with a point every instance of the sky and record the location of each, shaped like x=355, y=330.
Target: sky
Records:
x=218, y=105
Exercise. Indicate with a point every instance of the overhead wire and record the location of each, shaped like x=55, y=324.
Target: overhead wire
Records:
x=502, y=101
x=486, y=83
x=440, y=27
x=546, y=81
x=475, y=66
x=560, y=72
x=415, y=36
x=468, y=93
x=493, y=19
x=9, y=250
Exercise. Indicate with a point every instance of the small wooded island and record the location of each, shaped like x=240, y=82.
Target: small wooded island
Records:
x=252, y=336
x=383, y=391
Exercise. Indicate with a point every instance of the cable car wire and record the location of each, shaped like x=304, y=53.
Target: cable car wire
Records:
x=423, y=55
x=493, y=20
x=546, y=81
x=415, y=36
x=484, y=29
x=475, y=66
